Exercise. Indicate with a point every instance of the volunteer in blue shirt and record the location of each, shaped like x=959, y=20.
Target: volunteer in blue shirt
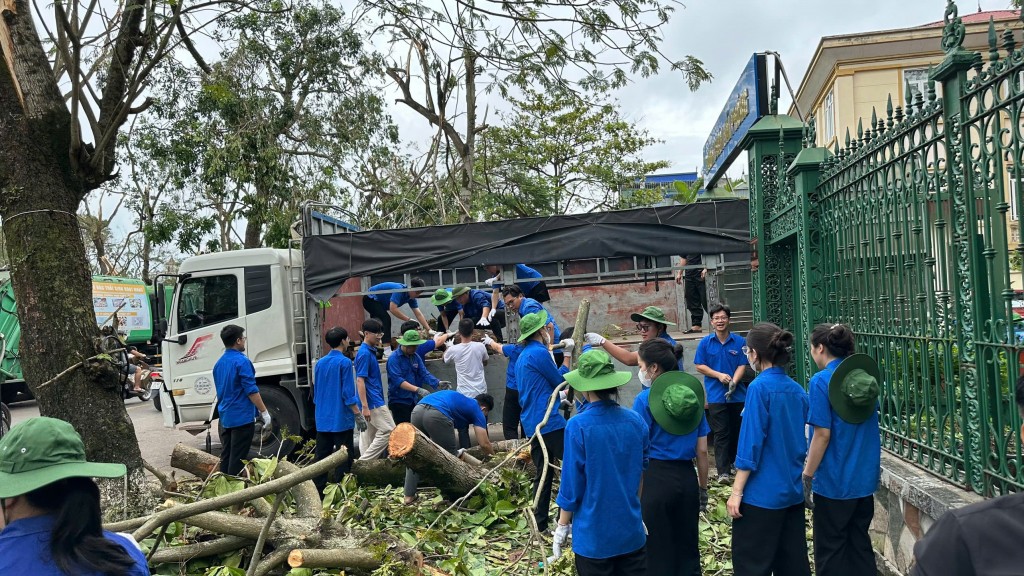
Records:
x=510, y=410
x=650, y=323
x=447, y=308
x=535, y=289
x=383, y=306
x=606, y=452
x=428, y=346
x=767, y=502
x=674, y=491
x=536, y=378
x=369, y=386
x=51, y=523
x=476, y=305
x=844, y=461
x=720, y=359
x=238, y=400
x=408, y=377
x=439, y=415
x=336, y=404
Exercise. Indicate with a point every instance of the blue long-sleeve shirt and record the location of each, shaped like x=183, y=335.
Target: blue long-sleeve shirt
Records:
x=334, y=391
x=368, y=369
x=722, y=357
x=531, y=306
x=523, y=275
x=851, y=466
x=512, y=352
x=235, y=379
x=772, y=444
x=399, y=298
x=478, y=300
x=411, y=369
x=606, y=452
x=25, y=549
x=537, y=377
x=665, y=445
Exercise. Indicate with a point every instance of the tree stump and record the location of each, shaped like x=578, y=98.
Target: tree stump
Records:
x=435, y=465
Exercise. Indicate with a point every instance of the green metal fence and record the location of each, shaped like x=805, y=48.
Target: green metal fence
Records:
x=904, y=234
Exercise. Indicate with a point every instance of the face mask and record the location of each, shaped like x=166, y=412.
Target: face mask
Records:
x=645, y=380
x=753, y=365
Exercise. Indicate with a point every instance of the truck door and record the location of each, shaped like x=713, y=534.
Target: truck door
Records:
x=205, y=304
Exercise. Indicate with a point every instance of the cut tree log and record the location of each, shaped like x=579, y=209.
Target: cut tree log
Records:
x=382, y=472
x=579, y=332
x=352, y=558
x=174, y=554
x=435, y=465
x=501, y=446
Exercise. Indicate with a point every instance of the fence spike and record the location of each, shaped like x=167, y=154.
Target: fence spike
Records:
x=860, y=128
x=888, y=112
x=899, y=114
x=993, y=40
x=908, y=94
x=847, y=136
x=931, y=88
x=1009, y=44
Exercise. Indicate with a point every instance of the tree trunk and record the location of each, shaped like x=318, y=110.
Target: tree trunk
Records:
x=40, y=191
x=469, y=151
x=435, y=465
x=379, y=472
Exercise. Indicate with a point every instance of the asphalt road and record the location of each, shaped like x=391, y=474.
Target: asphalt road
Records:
x=155, y=441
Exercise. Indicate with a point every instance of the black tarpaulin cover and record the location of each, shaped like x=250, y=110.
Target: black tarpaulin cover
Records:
x=704, y=227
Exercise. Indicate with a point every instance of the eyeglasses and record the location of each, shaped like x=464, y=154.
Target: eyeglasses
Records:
x=746, y=350
x=719, y=318
x=644, y=327
x=508, y=301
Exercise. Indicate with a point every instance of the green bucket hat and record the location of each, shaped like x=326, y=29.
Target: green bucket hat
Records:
x=854, y=387
x=459, y=291
x=652, y=313
x=595, y=371
x=677, y=402
x=41, y=451
x=411, y=338
x=531, y=323
x=441, y=297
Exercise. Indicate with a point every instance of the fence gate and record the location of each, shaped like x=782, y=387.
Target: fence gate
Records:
x=903, y=234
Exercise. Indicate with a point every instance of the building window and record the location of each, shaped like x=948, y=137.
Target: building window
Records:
x=829, y=113
x=1015, y=234
x=917, y=80
x=1012, y=190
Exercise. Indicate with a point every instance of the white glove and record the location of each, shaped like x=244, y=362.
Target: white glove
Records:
x=487, y=341
x=569, y=345
x=453, y=328
x=561, y=538
x=594, y=339
x=491, y=281
x=266, y=418
x=493, y=311
x=433, y=333
x=484, y=322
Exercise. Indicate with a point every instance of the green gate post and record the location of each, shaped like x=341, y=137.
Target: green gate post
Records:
x=805, y=172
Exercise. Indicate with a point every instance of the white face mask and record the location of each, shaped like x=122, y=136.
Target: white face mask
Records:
x=645, y=380
x=753, y=365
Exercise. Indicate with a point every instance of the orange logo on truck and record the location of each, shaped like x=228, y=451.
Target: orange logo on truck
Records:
x=197, y=346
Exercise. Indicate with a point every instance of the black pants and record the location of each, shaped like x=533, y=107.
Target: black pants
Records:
x=539, y=293
x=328, y=443
x=401, y=412
x=464, y=441
x=671, y=506
x=631, y=564
x=235, y=443
x=438, y=428
x=696, y=294
x=378, y=311
x=725, y=420
x=770, y=542
x=841, y=542
x=555, y=443
x=510, y=413
x=497, y=323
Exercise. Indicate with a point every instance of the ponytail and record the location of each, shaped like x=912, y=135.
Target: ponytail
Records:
x=836, y=338
x=658, y=352
x=771, y=343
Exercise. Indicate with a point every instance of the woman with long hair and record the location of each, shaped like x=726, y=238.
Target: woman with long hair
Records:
x=675, y=492
x=767, y=502
x=51, y=522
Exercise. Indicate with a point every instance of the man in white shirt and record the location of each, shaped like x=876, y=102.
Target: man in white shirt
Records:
x=469, y=358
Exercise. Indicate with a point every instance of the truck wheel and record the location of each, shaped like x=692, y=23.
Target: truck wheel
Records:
x=284, y=417
x=156, y=401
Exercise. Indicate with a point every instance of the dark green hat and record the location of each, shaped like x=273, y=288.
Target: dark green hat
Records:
x=459, y=291
x=854, y=387
x=595, y=371
x=41, y=451
x=411, y=338
x=652, y=313
x=677, y=402
x=441, y=297
x=531, y=323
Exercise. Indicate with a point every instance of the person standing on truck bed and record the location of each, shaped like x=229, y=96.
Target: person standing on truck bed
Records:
x=477, y=306
x=514, y=298
x=535, y=289
x=238, y=398
x=382, y=306
x=337, y=405
x=448, y=309
x=651, y=324
x=379, y=423
x=409, y=381
x=695, y=291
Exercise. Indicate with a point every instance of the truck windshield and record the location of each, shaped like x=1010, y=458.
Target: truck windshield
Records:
x=207, y=300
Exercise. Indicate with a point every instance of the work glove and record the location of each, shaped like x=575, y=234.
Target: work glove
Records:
x=433, y=333
x=360, y=423
x=808, y=494
x=487, y=341
x=444, y=385
x=703, y=500
x=422, y=393
x=594, y=339
x=490, y=315
x=265, y=415
x=561, y=538
x=453, y=328
x=491, y=281
x=569, y=345
x=484, y=322
x=731, y=390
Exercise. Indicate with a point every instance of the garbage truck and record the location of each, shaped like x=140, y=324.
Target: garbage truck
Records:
x=132, y=299
x=279, y=296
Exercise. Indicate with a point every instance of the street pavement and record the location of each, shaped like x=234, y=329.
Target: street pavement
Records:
x=155, y=441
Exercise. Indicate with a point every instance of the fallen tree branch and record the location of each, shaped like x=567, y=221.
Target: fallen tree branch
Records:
x=307, y=498
x=177, y=554
x=262, y=538
x=76, y=366
x=359, y=558
x=166, y=484
x=271, y=561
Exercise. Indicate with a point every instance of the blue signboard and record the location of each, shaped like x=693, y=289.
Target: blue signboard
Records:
x=746, y=105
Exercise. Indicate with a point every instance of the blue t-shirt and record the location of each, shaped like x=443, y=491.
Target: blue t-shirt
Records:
x=606, y=453
x=235, y=379
x=334, y=390
x=25, y=549
x=851, y=466
x=368, y=369
x=664, y=336
x=665, y=445
x=722, y=357
x=512, y=352
x=772, y=444
x=531, y=306
x=536, y=378
x=478, y=300
x=411, y=369
x=462, y=410
x=399, y=298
